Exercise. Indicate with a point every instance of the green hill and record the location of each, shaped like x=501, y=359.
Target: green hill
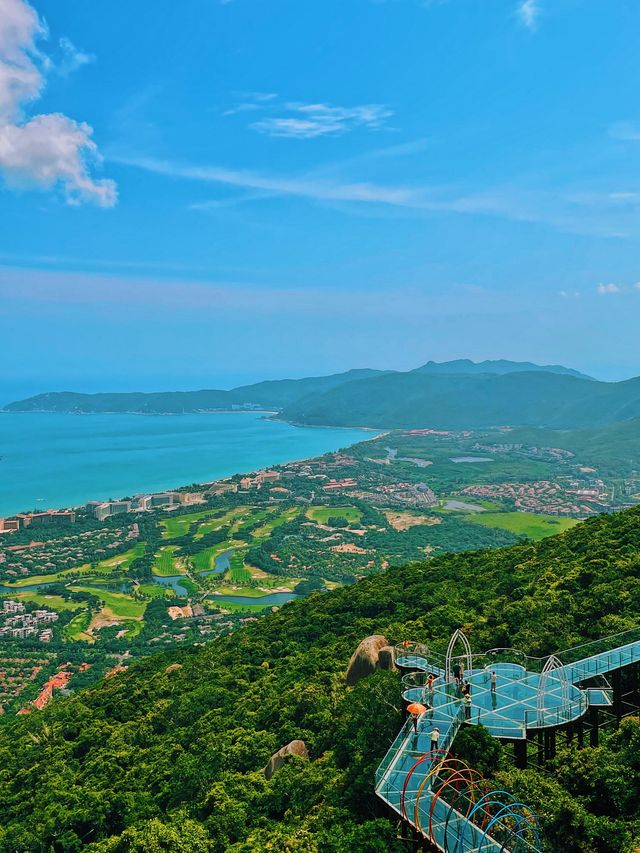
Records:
x=276, y=393
x=462, y=401
x=169, y=756
x=497, y=366
x=614, y=449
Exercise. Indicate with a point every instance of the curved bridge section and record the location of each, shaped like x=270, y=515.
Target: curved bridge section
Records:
x=511, y=694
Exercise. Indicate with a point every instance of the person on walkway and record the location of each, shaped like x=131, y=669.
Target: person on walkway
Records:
x=493, y=682
x=456, y=671
x=466, y=688
x=414, y=717
x=430, y=680
x=435, y=737
x=467, y=706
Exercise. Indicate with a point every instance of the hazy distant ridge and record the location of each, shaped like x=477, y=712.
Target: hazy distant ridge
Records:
x=463, y=401
x=449, y=395
x=497, y=366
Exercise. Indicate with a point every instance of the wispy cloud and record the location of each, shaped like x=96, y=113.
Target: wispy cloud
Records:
x=608, y=289
x=528, y=12
x=626, y=130
x=588, y=213
x=304, y=186
x=298, y=120
x=47, y=150
x=308, y=121
x=72, y=57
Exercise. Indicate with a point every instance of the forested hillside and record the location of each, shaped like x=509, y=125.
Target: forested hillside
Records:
x=170, y=755
x=275, y=393
x=463, y=401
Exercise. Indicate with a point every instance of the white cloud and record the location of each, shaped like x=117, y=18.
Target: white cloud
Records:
x=72, y=58
x=44, y=151
x=528, y=11
x=296, y=120
x=570, y=294
x=304, y=186
x=607, y=289
x=307, y=121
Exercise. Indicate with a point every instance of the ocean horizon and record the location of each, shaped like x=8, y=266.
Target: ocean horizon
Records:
x=51, y=460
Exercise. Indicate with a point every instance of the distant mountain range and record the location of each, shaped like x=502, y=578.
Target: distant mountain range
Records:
x=451, y=395
x=499, y=367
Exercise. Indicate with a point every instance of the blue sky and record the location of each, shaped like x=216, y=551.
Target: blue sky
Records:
x=202, y=193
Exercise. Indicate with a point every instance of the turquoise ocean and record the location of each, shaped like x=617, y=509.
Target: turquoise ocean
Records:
x=57, y=460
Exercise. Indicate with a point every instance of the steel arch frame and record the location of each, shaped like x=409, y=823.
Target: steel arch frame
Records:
x=432, y=773
x=465, y=775
x=453, y=807
x=506, y=810
x=456, y=766
x=520, y=818
x=553, y=668
x=458, y=635
x=428, y=756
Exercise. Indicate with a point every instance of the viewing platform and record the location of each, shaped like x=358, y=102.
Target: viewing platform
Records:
x=515, y=697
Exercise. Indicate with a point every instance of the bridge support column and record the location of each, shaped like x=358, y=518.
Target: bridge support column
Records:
x=616, y=684
x=580, y=733
x=594, y=720
x=540, y=748
x=520, y=753
x=549, y=744
x=569, y=733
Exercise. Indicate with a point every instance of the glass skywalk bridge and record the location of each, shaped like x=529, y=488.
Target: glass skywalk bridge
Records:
x=512, y=695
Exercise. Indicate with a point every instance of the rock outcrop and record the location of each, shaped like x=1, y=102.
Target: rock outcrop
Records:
x=373, y=653
x=387, y=658
x=296, y=747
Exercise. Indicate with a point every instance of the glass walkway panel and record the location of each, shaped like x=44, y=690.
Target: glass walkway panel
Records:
x=511, y=694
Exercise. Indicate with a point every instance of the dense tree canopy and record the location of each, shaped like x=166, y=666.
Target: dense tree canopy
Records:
x=171, y=758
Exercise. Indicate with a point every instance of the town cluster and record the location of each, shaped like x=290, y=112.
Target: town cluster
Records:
x=16, y=623
x=64, y=553
x=544, y=496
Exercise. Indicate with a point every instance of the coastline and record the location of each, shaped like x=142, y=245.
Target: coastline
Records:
x=162, y=460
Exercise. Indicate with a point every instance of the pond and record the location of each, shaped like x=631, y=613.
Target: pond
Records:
x=275, y=599
x=175, y=582
x=457, y=459
x=221, y=563
x=461, y=505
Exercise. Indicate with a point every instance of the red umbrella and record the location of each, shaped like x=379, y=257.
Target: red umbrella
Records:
x=416, y=709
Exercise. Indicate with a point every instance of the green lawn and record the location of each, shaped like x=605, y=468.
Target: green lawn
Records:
x=267, y=529
x=121, y=561
x=166, y=564
x=180, y=524
x=203, y=561
x=190, y=586
x=152, y=590
x=321, y=514
x=77, y=628
x=122, y=606
x=523, y=523
x=238, y=572
x=52, y=602
x=237, y=515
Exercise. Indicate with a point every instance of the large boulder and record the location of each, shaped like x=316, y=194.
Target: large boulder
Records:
x=387, y=658
x=296, y=747
x=366, y=657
